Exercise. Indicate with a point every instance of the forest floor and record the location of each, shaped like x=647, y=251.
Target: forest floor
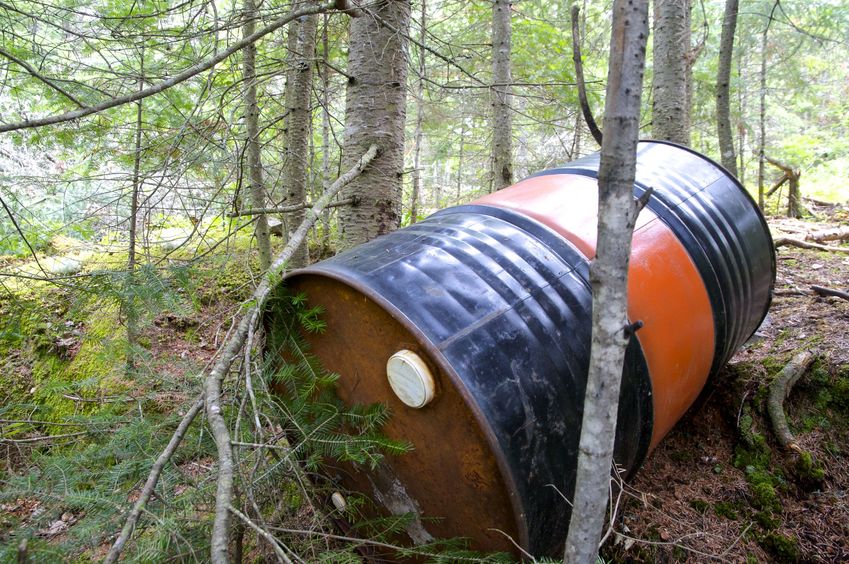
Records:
x=719, y=486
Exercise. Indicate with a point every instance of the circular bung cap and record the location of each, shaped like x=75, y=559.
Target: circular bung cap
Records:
x=410, y=378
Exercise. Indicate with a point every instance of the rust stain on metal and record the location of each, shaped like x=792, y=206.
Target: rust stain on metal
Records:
x=451, y=476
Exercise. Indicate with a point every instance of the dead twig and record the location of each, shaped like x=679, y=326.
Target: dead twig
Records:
x=822, y=291
x=783, y=241
x=779, y=390
x=152, y=479
x=293, y=207
x=232, y=347
x=278, y=551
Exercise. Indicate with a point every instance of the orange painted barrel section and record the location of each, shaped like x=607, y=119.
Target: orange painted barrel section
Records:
x=665, y=290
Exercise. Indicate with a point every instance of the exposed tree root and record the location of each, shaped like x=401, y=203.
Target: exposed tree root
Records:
x=779, y=390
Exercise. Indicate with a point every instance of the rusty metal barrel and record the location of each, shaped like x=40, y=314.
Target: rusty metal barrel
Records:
x=474, y=327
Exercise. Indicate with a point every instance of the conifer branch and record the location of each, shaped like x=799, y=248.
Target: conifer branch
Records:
x=183, y=76
x=152, y=479
x=231, y=349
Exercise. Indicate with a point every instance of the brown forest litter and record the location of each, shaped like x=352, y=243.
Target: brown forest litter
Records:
x=692, y=502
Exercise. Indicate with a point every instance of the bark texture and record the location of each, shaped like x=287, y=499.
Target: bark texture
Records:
x=298, y=121
x=723, y=88
x=252, y=144
x=671, y=52
x=375, y=109
x=501, y=94
x=609, y=277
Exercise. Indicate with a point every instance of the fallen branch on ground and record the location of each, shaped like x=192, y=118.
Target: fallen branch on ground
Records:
x=783, y=241
x=231, y=349
x=825, y=292
x=835, y=234
x=150, y=484
x=779, y=390
x=212, y=386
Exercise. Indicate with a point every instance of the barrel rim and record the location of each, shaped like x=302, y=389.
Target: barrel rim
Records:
x=761, y=217
x=504, y=468
x=567, y=169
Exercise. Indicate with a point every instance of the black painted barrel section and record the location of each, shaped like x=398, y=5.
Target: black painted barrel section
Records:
x=718, y=222
x=506, y=303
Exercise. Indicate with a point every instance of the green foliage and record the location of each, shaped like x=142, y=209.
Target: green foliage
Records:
x=322, y=427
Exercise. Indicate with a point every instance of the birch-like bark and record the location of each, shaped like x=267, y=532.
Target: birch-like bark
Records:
x=417, y=156
x=500, y=95
x=671, y=50
x=723, y=88
x=298, y=122
x=375, y=111
x=609, y=277
x=252, y=144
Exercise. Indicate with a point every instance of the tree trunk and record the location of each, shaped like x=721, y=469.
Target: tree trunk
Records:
x=325, y=127
x=670, y=108
x=762, y=111
x=375, y=109
x=130, y=305
x=298, y=122
x=742, y=106
x=417, y=158
x=252, y=148
x=502, y=130
x=723, y=90
x=609, y=277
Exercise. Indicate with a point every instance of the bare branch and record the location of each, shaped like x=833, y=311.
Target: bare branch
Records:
x=151, y=482
x=579, y=76
x=35, y=74
x=293, y=207
x=230, y=350
x=173, y=81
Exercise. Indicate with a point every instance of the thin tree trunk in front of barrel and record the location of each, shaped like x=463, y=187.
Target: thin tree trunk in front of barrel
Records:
x=298, y=122
x=253, y=147
x=723, y=88
x=501, y=94
x=609, y=277
x=375, y=110
x=670, y=108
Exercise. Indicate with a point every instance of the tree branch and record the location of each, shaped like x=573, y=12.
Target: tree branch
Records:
x=230, y=350
x=35, y=74
x=579, y=77
x=293, y=207
x=151, y=482
x=173, y=81
x=782, y=241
